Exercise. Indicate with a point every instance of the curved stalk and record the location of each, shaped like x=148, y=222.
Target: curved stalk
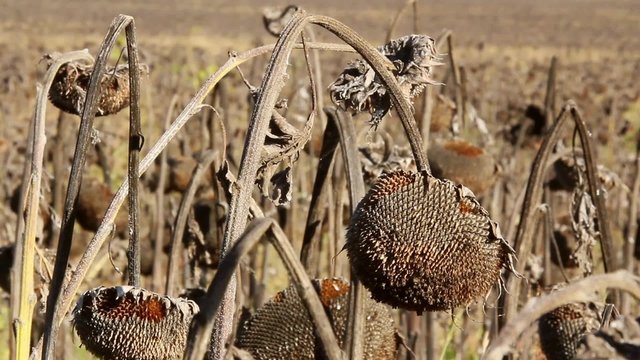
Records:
x=75, y=179
x=579, y=291
x=381, y=66
x=525, y=231
x=24, y=275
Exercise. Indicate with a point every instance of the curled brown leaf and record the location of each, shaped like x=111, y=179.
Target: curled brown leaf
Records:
x=358, y=88
x=281, y=149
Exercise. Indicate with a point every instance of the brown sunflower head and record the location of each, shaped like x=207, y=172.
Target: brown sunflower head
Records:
x=424, y=244
x=125, y=322
x=282, y=328
x=562, y=329
x=69, y=89
x=93, y=200
x=463, y=163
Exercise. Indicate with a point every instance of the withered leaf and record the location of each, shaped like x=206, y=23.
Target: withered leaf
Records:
x=584, y=226
x=226, y=179
x=281, y=182
x=282, y=146
x=358, y=88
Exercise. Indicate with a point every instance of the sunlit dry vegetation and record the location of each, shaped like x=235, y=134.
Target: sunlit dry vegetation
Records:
x=392, y=185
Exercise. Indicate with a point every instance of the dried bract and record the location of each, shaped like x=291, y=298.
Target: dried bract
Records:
x=125, y=322
x=70, y=84
x=282, y=328
x=583, y=224
x=358, y=88
x=424, y=244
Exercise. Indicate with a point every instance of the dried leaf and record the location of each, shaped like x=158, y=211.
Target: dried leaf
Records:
x=282, y=146
x=583, y=223
x=226, y=180
x=358, y=88
x=281, y=181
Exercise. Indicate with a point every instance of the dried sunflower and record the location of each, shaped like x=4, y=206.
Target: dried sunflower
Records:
x=69, y=89
x=358, y=88
x=125, y=322
x=424, y=244
x=282, y=328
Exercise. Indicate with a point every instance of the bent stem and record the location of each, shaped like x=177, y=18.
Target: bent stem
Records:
x=73, y=188
x=271, y=86
x=72, y=285
x=526, y=227
x=24, y=274
x=203, y=323
x=381, y=66
x=579, y=291
x=596, y=192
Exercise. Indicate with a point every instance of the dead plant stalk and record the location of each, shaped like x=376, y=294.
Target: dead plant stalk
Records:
x=525, y=231
x=579, y=291
x=24, y=275
x=271, y=87
x=72, y=285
